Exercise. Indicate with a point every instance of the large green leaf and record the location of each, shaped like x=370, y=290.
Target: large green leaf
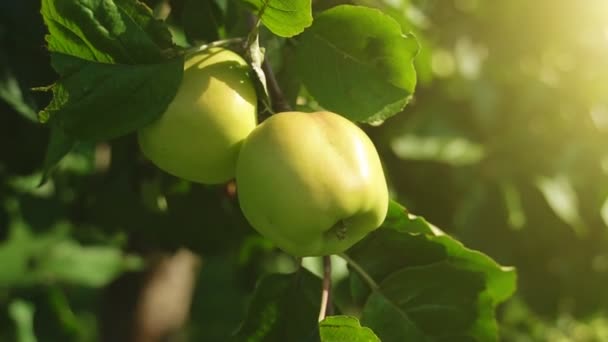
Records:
x=426, y=286
x=357, y=62
x=284, y=18
x=115, y=74
x=96, y=101
x=389, y=321
x=110, y=31
x=285, y=307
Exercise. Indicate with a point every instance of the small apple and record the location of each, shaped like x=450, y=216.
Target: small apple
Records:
x=311, y=182
x=199, y=136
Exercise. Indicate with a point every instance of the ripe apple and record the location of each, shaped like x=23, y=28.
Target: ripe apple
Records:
x=199, y=136
x=311, y=182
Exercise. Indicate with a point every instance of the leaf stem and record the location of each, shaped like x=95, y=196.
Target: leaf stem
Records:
x=277, y=99
x=253, y=23
x=326, y=292
x=355, y=266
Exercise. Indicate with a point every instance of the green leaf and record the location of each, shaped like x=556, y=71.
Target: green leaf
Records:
x=285, y=18
x=15, y=253
x=390, y=321
x=22, y=313
x=109, y=31
x=428, y=284
x=115, y=76
x=98, y=101
x=53, y=257
x=92, y=266
x=399, y=218
x=58, y=147
x=345, y=328
x=355, y=61
x=436, y=309
x=285, y=307
x=562, y=198
x=10, y=91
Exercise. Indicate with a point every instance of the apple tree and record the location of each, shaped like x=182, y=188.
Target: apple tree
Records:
x=230, y=133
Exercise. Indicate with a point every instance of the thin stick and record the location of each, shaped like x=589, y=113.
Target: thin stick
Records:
x=325, y=295
x=279, y=103
x=355, y=266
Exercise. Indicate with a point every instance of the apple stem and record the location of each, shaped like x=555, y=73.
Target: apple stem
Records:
x=357, y=268
x=326, y=307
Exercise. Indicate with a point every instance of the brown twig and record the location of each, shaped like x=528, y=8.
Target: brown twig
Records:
x=326, y=307
x=279, y=103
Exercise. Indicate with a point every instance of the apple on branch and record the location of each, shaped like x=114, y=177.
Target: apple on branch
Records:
x=199, y=137
x=311, y=182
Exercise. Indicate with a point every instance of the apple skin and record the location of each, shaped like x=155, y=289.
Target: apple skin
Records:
x=198, y=138
x=311, y=182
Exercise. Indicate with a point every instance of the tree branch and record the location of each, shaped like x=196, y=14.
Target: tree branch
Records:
x=279, y=103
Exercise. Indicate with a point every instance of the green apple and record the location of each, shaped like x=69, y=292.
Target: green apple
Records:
x=199, y=136
x=311, y=182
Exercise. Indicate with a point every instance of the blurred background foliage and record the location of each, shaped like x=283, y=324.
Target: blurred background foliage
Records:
x=503, y=146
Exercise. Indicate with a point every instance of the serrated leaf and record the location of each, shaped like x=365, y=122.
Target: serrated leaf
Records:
x=98, y=101
x=95, y=98
x=109, y=31
x=285, y=18
x=284, y=307
x=345, y=328
x=355, y=61
x=428, y=283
